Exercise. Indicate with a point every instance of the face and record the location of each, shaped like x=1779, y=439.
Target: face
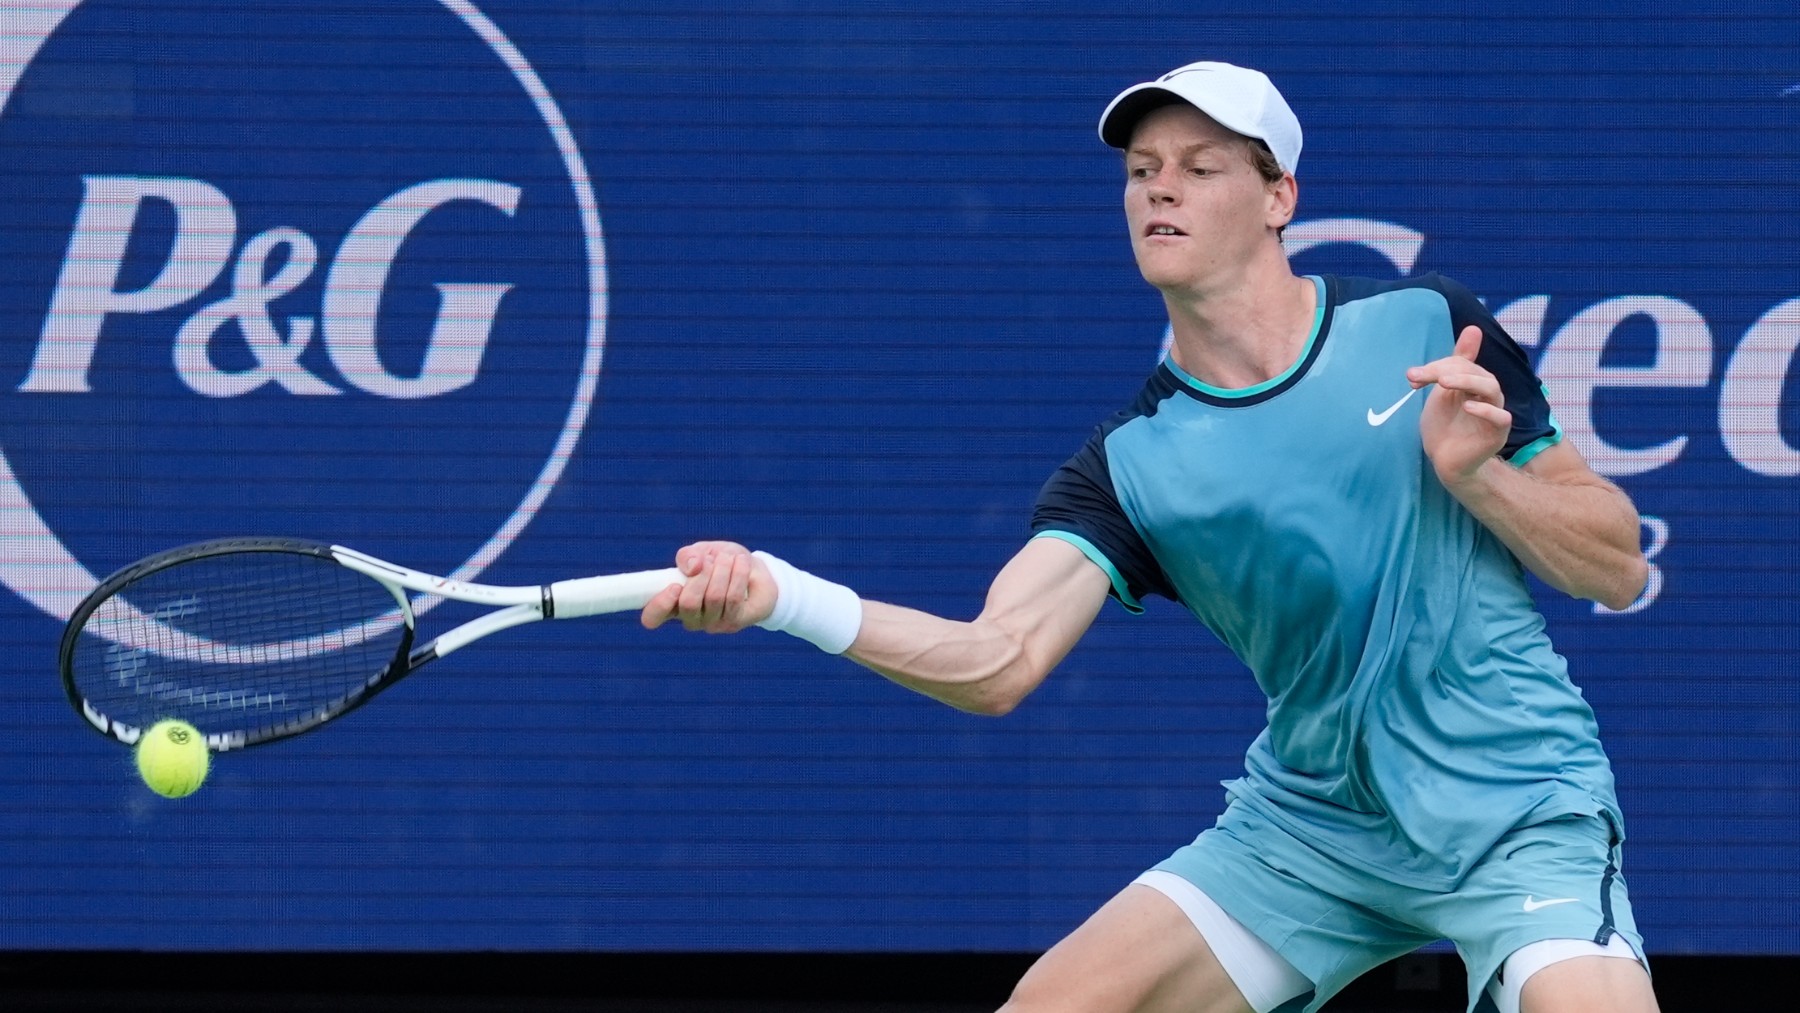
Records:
x=1197, y=209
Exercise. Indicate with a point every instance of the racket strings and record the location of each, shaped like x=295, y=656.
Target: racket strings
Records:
x=248, y=642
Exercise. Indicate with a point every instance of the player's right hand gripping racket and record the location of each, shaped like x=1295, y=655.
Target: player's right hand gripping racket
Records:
x=252, y=640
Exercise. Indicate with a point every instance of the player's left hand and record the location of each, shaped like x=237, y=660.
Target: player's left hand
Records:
x=1465, y=420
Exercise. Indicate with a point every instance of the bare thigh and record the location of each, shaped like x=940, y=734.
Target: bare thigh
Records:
x=1589, y=985
x=1138, y=954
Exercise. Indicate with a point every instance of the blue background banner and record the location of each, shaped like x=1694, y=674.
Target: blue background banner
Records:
x=528, y=290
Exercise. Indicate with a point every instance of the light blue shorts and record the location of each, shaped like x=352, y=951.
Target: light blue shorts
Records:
x=1559, y=879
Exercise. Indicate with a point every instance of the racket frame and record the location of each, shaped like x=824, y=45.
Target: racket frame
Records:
x=514, y=606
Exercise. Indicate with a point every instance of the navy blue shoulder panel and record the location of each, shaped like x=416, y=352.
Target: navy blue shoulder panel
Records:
x=1079, y=499
x=1533, y=428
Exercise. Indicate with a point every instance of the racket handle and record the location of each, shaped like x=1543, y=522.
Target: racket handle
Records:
x=618, y=592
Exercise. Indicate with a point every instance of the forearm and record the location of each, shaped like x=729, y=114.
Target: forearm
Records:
x=1041, y=603
x=974, y=666
x=1037, y=608
x=1580, y=537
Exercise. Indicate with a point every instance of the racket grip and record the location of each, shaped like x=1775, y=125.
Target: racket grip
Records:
x=618, y=592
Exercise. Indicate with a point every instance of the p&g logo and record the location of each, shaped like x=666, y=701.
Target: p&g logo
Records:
x=284, y=269
x=269, y=265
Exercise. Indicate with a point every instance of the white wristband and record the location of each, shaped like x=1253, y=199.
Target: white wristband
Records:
x=824, y=614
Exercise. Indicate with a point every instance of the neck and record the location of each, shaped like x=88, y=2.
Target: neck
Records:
x=1245, y=332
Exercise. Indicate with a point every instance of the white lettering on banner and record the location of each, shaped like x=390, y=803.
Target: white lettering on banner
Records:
x=1571, y=370
x=1749, y=393
x=205, y=230
x=359, y=275
x=1396, y=243
x=1750, y=396
x=86, y=290
x=277, y=358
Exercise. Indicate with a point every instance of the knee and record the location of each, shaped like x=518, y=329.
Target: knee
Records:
x=1031, y=997
x=1040, y=992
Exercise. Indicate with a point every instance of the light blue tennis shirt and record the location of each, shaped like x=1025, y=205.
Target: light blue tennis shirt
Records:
x=1417, y=710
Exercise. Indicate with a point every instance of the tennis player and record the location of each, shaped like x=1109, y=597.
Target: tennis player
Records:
x=1428, y=771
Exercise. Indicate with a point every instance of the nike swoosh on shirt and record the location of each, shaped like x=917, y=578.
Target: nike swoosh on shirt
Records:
x=1376, y=420
x=1532, y=904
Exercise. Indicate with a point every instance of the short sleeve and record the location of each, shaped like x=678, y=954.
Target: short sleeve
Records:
x=1534, y=428
x=1078, y=505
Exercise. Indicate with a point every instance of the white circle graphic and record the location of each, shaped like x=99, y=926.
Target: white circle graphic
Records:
x=36, y=565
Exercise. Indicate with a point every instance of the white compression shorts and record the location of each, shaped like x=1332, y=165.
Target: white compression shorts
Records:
x=1266, y=979
x=1261, y=975
x=1531, y=958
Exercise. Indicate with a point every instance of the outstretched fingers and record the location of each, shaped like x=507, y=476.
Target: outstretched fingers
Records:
x=1477, y=390
x=1465, y=421
x=1481, y=391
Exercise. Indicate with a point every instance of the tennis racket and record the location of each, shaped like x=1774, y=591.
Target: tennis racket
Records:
x=253, y=640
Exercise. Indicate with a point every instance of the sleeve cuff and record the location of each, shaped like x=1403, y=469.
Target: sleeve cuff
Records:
x=1098, y=558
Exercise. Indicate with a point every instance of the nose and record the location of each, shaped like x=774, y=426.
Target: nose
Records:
x=1161, y=188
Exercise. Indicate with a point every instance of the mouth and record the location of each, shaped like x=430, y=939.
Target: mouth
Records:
x=1162, y=229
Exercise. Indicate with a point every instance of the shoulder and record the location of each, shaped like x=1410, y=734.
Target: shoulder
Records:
x=1080, y=502
x=1149, y=401
x=1445, y=296
x=1353, y=289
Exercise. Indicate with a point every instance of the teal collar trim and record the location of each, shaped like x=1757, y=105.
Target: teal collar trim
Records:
x=1305, y=356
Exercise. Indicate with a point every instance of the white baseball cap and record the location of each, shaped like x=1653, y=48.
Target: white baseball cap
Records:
x=1237, y=98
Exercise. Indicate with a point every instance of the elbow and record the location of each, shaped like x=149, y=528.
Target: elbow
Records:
x=1000, y=690
x=993, y=698
x=998, y=705
x=1631, y=584
x=993, y=706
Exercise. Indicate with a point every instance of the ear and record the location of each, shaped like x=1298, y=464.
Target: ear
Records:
x=1284, y=198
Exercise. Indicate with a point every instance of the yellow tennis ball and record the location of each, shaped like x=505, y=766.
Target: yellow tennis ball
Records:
x=172, y=758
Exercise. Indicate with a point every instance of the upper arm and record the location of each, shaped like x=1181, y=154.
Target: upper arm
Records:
x=1616, y=571
x=1044, y=599
x=1562, y=464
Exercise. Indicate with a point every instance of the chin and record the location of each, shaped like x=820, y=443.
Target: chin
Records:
x=1167, y=277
